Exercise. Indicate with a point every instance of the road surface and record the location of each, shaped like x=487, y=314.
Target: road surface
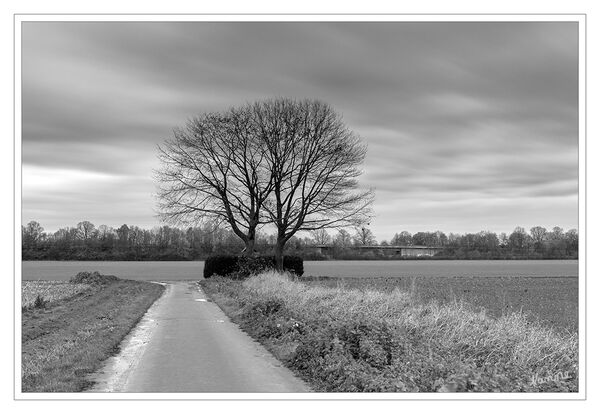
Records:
x=185, y=343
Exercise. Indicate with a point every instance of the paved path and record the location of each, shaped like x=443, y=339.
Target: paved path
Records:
x=185, y=343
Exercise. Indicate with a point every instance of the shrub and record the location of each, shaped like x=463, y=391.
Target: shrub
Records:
x=40, y=302
x=293, y=264
x=93, y=278
x=220, y=265
x=243, y=266
x=254, y=265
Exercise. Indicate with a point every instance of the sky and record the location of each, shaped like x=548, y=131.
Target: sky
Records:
x=469, y=126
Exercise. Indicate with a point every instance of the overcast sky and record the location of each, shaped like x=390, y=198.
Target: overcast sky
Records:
x=469, y=126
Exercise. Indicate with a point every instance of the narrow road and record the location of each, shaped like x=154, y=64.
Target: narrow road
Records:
x=185, y=343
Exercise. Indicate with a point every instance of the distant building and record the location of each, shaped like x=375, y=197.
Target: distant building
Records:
x=400, y=251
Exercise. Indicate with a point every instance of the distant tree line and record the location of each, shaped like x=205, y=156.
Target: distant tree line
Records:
x=538, y=243
x=88, y=242
x=85, y=241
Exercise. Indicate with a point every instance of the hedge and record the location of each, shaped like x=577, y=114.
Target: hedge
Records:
x=242, y=266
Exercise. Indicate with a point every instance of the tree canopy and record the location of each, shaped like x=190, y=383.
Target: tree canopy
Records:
x=289, y=163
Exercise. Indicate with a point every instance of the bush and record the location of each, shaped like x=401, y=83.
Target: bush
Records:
x=93, y=278
x=254, y=265
x=40, y=302
x=293, y=264
x=220, y=265
x=241, y=267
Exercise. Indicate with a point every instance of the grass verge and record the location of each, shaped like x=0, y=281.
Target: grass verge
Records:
x=350, y=340
x=67, y=339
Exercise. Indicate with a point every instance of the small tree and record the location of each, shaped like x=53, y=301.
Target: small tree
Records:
x=364, y=237
x=503, y=239
x=538, y=235
x=557, y=233
x=343, y=238
x=518, y=239
x=402, y=239
x=321, y=237
x=572, y=238
x=85, y=230
x=32, y=234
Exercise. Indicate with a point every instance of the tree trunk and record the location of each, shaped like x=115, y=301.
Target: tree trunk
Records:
x=279, y=255
x=251, y=239
x=249, y=248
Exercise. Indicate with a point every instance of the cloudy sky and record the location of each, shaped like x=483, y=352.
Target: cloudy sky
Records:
x=469, y=126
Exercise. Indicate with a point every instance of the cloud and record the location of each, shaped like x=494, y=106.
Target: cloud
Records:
x=83, y=195
x=475, y=112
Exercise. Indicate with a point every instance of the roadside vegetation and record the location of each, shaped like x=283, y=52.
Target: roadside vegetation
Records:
x=69, y=328
x=362, y=340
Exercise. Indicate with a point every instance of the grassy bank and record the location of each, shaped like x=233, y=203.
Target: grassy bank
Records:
x=345, y=339
x=69, y=335
x=48, y=292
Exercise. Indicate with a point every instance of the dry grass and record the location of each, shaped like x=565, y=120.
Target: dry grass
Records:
x=49, y=290
x=552, y=301
x=456, y=325
x=68, y=339
x=449, y=346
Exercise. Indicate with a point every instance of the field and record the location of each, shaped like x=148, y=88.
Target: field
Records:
x=551, y=301
x=442, y=268
x=68, y=337
x=357, y=336
x=59, y=270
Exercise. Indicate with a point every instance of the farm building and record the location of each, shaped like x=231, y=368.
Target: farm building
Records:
x=400, y=251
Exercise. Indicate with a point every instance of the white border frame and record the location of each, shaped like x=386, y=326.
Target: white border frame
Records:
x=579, y=18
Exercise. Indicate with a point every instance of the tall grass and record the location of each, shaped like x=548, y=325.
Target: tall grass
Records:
x=365, y=340
x=48, y=290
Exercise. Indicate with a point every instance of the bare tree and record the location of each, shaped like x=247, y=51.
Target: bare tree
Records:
x=364, y=237
x=572, y=238
x=503, y=239
x=85, y=230
x=104, y=231
x=557, y=233
x=538, y=234
x=290, y=163
x=343, y=238
x=321, y=237
x=32, y=234
x=314, y=162
x=402, y=239
x=518, y=239
x=212, y=170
